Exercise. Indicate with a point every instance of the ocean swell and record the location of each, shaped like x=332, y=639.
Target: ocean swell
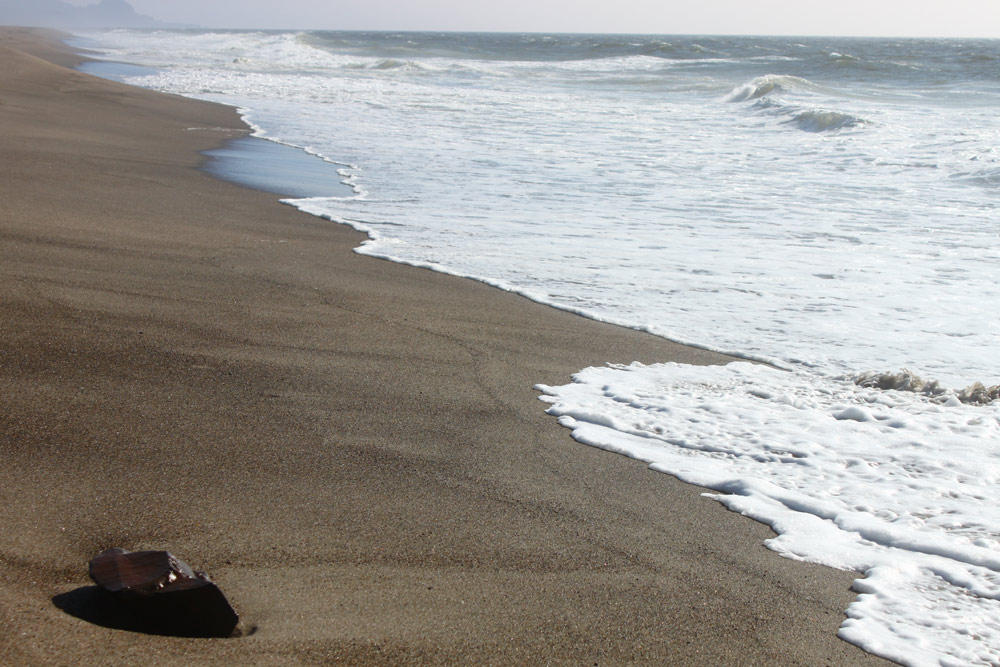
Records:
x=822, y=120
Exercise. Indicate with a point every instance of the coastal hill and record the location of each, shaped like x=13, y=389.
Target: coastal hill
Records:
x=58, y=14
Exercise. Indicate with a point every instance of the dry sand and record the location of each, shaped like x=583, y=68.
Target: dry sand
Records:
x=350, y=447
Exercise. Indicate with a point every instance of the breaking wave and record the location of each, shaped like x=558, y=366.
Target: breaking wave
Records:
x=769, y=84
x=388, y=64
x=766, y=91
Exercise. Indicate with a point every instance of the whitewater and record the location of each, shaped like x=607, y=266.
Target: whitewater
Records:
x=827, y=206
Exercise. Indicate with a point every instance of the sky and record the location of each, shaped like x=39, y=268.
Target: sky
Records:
x=884, y=18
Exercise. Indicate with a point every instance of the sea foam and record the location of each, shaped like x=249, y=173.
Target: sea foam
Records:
x=886, y=483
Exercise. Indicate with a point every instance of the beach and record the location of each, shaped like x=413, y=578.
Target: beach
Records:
x=351, y=448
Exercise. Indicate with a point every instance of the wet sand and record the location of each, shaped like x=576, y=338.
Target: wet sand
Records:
x=350, y=447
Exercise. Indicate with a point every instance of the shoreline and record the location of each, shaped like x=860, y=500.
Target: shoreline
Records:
x=351, y=448
x=238, y=160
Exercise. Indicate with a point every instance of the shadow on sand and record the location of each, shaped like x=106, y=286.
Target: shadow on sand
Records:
x=95, y=605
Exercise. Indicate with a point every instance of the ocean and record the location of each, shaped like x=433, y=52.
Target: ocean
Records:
x=828, y=206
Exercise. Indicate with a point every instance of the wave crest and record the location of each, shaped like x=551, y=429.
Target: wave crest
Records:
x=766, y=85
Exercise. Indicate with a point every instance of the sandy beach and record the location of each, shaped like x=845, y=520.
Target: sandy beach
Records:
x=351, y=448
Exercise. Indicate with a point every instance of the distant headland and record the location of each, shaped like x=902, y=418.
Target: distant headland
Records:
x=59, y=14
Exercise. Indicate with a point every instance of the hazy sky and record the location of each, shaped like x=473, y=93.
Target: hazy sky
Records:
x=947, y=18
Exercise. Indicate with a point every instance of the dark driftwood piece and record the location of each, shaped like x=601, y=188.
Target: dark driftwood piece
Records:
x=168, y=596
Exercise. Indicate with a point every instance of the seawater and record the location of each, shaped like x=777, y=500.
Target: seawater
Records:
x=827, y=205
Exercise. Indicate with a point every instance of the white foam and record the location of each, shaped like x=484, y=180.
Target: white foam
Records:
x=888, y=483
